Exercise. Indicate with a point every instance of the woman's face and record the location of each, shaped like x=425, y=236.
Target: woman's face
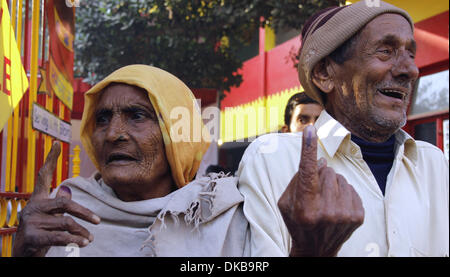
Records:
x=128, y=144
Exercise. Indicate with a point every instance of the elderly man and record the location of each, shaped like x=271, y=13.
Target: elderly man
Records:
x=374, y=191
x=300, y=111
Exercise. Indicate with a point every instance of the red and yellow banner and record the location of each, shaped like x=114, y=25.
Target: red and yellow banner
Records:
x=13, y=80
x=61, y=25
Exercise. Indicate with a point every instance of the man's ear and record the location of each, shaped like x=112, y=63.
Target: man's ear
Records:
x=322, y=76
x=285, y=129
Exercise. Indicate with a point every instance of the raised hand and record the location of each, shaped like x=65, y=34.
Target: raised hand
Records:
x=320, y=209
x=41, y=222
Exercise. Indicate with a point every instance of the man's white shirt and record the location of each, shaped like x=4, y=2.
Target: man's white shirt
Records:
x=412, y=219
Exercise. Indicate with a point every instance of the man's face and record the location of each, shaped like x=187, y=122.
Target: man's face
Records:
x=128, y=142
x=373, y=88
x=303, y=115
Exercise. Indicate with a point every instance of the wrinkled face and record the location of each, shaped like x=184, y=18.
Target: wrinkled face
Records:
x=375, y=85
x=303, y=115
x=128, y=142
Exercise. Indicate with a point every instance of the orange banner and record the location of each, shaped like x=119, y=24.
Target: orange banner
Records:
x=61, y=26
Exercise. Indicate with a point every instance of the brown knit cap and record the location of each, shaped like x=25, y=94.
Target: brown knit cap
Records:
x=329, y=28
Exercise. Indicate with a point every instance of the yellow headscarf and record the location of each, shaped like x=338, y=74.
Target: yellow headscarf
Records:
x=165, y=92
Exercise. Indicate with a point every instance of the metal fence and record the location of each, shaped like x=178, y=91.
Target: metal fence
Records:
x=22, y=148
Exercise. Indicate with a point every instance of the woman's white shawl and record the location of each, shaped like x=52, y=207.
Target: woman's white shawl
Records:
x=203, y=218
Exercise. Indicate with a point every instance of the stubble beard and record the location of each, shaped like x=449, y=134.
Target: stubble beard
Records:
x=383, y=128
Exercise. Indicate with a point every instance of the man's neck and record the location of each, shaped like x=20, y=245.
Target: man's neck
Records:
x=361, y=130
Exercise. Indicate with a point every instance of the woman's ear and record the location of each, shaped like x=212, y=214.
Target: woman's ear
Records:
x=285, y=129
x=322, y=76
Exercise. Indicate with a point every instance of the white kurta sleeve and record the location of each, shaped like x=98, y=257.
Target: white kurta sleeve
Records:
x=262, y=179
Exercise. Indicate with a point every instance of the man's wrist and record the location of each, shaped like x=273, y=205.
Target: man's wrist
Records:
x=299, y=250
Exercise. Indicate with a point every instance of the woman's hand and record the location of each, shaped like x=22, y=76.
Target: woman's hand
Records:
x=320, y=209
x=41, y=222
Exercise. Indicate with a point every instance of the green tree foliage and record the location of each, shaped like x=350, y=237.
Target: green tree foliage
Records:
x=190, y=39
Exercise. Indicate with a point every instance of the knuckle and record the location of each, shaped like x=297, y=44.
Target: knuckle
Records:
x=355, y=195
x=42, y=174
x=284, y=200
x=34, y=238
x=48, y=238
x=30, y=243
x=328, y=171
x=286, y=211
x=345, y=216
x=341, y=179
x=27, y=213
x=29, y=235
x=357, y=201
x=331, y=218
x=24, y=215
x=57, y=238
x=346, y=194
x=68, y=223
x=347, y=187
x=285, y=208
x=309, y=218
x=282, y=205
x=359, y=216
x=61, y=202
x=340, y=176
x=352, y=190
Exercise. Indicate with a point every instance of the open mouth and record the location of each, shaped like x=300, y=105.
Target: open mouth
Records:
x=116, y=157
x=392, y=93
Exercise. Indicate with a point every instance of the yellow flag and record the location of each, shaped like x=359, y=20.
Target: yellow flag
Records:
x=13, y=80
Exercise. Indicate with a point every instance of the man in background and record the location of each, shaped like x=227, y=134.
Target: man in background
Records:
x=301, y=110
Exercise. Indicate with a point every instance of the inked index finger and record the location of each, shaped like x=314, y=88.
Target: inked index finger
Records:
x=308, y=159
x=45, y=175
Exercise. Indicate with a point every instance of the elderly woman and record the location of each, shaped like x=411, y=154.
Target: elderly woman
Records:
x=141, y=202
